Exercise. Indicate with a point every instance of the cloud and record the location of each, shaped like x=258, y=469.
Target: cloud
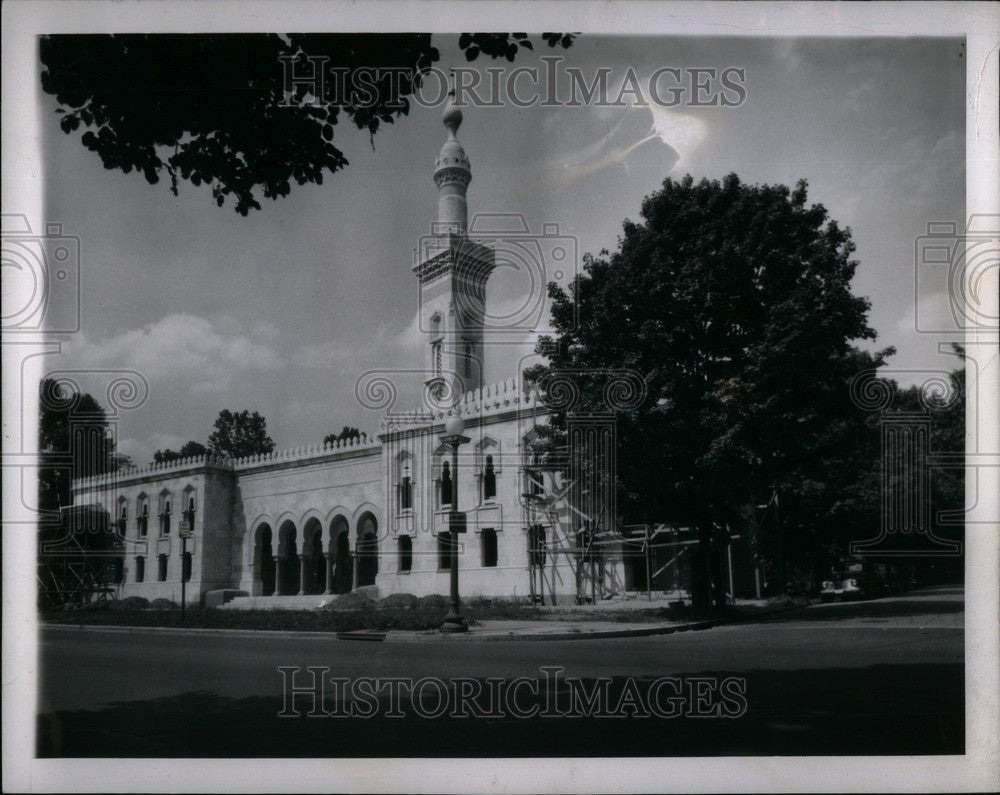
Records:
x=853, y=98
x=681, y=132
x=202, y=354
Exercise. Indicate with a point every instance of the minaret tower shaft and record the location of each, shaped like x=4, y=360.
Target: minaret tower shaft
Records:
x=452, y=270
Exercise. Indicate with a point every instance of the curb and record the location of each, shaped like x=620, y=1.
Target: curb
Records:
x=403, y=636
x=248, y=633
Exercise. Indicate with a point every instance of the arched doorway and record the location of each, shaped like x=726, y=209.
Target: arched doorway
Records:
x=340, y=552
x=288, y=559
x=263, y=560
x=314, y=576
x=367, y=548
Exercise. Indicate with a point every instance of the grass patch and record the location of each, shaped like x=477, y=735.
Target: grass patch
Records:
x=260, y=620
x=385, y=616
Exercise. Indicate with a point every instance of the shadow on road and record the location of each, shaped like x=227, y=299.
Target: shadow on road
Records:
x=818, y=712
x=887, y=608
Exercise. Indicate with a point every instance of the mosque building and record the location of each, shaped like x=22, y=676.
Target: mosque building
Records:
x=294, y=526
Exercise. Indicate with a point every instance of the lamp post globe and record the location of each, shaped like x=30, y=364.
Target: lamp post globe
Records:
x=454, y=425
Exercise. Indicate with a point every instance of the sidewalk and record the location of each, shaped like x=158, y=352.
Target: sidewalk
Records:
x=498, y=630
x=571, y=630
x=545, y=630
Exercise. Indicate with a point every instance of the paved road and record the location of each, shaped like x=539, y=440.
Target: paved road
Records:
x=877, y=677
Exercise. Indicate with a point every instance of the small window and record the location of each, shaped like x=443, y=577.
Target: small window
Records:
x=405, y=554
x=445, y=490
x=489, y=480
x=536, y=545
x=165, y=519
x=444, y=551
x=436, y=353
x=161, y=574
x=468, y=359
x=189, y=514
x=186, y=566
x=140, y=569
x=144, y=520
x=489, y=544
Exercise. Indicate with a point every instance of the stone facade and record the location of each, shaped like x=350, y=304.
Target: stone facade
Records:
x=324, y=519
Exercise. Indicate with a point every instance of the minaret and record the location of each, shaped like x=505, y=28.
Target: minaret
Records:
x=452, y=270
x=452, y=174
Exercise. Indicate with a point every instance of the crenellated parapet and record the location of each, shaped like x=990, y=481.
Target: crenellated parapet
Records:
x=209, y=461
x=490, y=400
x=154, y=470
x=360, y=443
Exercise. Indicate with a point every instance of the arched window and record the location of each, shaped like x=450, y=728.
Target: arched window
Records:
x=405, y=544
x=489, y=547
x=142, y=516
x=189, y=507
x=487, y=462
x=436, y=357
x=140, y=569
x=122, y=516
x=489, y=480
x=165, y=513
x=406, y=489
x=444, y=490
x=403, y=479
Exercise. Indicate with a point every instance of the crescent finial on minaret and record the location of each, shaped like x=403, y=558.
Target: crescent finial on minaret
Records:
x=452, y=115
x=452, y=170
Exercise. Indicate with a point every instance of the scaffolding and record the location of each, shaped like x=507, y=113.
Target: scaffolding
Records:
x=582, y=541
x=653, y=537
x=80, y=558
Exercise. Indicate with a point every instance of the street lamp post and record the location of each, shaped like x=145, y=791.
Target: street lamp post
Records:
x=186, y=526
x=453, y=437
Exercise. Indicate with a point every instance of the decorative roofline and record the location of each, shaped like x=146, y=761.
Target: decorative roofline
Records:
x=489, y=400
x=364, y=442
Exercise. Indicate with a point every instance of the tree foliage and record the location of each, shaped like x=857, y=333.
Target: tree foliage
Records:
x=732, y=303
x=212, y=108
x=189, y=450
x=239, y=434
x=346, y=433
x=859, y=503
x=75, y=441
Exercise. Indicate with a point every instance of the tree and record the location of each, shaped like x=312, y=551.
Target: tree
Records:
x=211, y=108
x=189, y=450
x=732, y=303
x=75, y=441
x=240, y=434
x=79, y=547
x=345, y=434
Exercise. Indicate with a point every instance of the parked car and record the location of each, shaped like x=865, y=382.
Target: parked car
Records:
x=856, y=579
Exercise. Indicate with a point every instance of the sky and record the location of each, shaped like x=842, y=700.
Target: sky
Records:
x=282, y=311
